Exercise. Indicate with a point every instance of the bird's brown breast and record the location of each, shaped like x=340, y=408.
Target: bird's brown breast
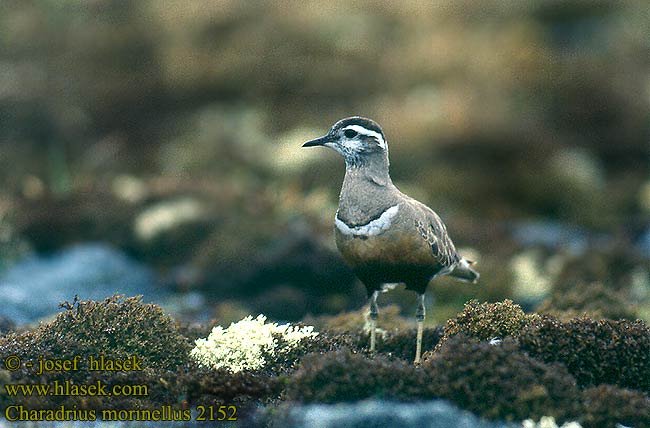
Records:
x=395, y=246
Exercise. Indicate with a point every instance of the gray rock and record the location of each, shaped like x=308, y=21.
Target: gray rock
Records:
x=33, y=288
x=551, y=235
x=382, y=414
x=644, y=244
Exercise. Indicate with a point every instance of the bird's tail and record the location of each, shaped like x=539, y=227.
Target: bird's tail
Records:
x=465, y=272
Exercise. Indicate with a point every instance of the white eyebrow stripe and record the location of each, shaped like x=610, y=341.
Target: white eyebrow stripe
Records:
x=365, y=131
x=375, y=227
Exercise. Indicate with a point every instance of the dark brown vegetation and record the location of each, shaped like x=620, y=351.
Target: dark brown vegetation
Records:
x=488, y=321
x=605, y=404
x=118, y=329
x=594, y=351
x=593, y=371
x=342, y=376
x=501, y=381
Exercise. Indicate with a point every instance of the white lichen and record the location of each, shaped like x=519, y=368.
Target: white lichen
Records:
x=548, y=422
x=247, y=344
x=533, y=276
x=129, y=188
x=165, y=216
x=283, y=156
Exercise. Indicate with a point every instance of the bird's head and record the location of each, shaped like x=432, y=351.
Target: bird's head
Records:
x=356, y=138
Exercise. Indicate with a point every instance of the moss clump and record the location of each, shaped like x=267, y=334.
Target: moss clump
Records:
x=607, y=406
x=117, y=328
x=500, y=381
x=594, y=351
x=205, y=386
x=485, y=321
x=594, y=299
x=344, y=376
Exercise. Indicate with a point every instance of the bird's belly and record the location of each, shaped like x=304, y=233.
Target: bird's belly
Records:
x=387, y=249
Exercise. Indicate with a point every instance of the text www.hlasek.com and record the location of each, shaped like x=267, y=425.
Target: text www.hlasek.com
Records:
x=67, y=388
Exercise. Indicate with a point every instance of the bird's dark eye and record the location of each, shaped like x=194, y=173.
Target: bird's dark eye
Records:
x=349, y=133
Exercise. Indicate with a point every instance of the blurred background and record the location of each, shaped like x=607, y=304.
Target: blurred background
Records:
x=154, y=148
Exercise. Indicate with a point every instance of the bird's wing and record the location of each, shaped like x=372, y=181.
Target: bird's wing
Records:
x=433, y=230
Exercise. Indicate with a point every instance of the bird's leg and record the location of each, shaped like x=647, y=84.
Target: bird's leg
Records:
x=419, y=316
x=374, y=314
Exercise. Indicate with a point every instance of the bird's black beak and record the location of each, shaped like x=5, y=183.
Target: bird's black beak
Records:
x=318, y=141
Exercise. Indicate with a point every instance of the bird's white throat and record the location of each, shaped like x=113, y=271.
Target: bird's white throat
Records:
x=372, y=228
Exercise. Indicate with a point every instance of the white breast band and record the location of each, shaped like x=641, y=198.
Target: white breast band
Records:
x=375, y=227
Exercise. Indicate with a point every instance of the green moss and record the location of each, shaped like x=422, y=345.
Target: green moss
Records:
x=607, y=406
x=488, y=320
x=500, y=381
x=594, y=351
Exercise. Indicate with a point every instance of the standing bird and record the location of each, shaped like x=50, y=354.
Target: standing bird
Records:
x=384, y=235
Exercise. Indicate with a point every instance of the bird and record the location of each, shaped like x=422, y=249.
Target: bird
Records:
x=385, y=236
